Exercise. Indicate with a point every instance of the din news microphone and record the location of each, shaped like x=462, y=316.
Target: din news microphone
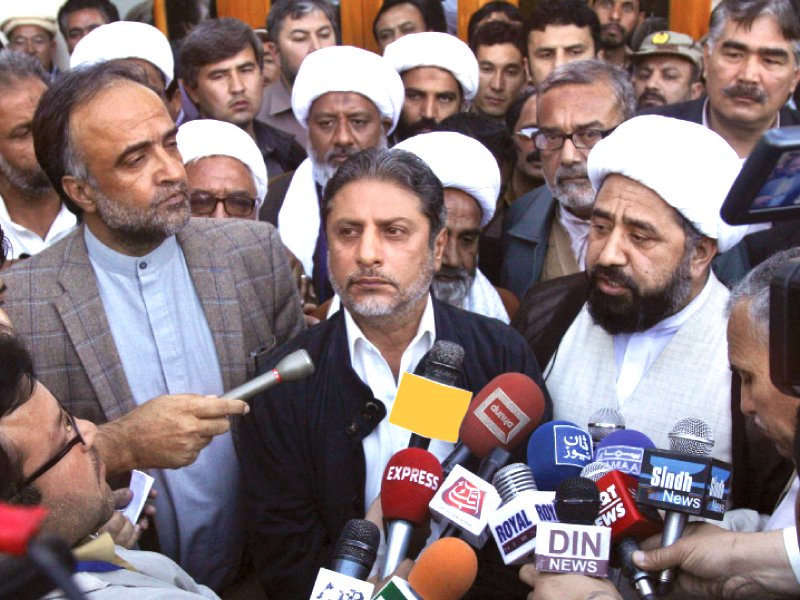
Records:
x=557, y=450
x=445, y=570
x=502, y=414
x=628, y=522
x=440, y=364
x=574, y=544
x=291, y=367
x=356, y=549
x=410, y=480
x=623, y=451
x=515, y=523
x=603, y=422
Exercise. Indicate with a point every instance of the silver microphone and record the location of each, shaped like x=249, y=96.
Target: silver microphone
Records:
x=291, y=367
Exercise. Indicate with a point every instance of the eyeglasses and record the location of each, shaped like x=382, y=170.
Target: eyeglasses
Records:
x=527, y=133
x=548, y=139
x=71, y=426
x=237, y=204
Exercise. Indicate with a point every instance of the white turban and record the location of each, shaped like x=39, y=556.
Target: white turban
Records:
x=689, y=166
x=207, y=137
x=460, y=162
x=125, y=39
x=434, y=49
x=348, y=69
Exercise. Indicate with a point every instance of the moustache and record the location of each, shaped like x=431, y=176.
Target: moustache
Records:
x=535, y=156
x=571, y=172
x=165, y=194
x=371, y=274
x=454, y=272
x=423, y=124
x=613, y=275
x=747, y=92
x=652, y=95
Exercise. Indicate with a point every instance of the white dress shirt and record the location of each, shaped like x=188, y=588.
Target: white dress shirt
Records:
x=578, y=231
x=22, y=240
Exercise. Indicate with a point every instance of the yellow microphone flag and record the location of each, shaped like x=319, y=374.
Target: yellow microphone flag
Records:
x=432, y=410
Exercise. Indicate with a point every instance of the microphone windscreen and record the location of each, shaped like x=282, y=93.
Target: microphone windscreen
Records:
x=557, y=450
x=442, y=363
x=502, y=414
x=577, y=501
x=624, y=450
x=410, y=481
x=445, y=570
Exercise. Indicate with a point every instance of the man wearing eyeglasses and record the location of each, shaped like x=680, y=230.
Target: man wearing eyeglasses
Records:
x=522, y=125
x=545, y=231
x=49, y=458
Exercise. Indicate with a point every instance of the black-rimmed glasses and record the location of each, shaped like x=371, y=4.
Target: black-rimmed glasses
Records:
x=548, y=139
x=237, y=204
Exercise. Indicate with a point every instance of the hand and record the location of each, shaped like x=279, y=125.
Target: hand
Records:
x=167, y=432
x=716, y=563
x=562, y=586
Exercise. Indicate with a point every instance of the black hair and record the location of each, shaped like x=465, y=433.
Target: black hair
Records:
x=499, y=32
x=295, y=9
x=489, y=132
x=564, y=12
x=431, y=10
x=490, y=8
x=108, y=9
x=515, y=110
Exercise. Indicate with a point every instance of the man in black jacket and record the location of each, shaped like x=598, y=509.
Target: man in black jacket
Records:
x=752, y=66
x=313, y=451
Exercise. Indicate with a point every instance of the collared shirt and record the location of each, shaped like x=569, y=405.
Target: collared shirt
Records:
x=166, y=347
x=636, y=352
x=387, y=439
x=276, y=110
x=22, y=240
x=578, y=230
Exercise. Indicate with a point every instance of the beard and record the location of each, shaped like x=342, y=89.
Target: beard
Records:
x=572, y=188
x=323, y=165
x=403, y=131
x=382, y=307
x=453, y=291
x=613, y=36
x=642, y=310
x=32, y=183
x=139, y=228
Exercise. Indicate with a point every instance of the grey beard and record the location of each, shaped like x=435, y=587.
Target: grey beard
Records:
x=453, y=292
x=324, y=170
x=31, y=182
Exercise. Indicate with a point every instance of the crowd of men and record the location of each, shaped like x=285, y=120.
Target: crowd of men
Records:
x=546, y=195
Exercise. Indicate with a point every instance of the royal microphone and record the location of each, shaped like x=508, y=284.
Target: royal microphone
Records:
x=502, y=414
x=444, y=571
x=684, y=481
x=411, y=478
x=557, y=450
x=515, y=523
x=441, y=364
x=623, y=451
x=627, y=521
x=291, y=367
x=604, y=422
x=574, y=544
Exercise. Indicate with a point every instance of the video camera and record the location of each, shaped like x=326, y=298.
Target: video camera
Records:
x=768, y=190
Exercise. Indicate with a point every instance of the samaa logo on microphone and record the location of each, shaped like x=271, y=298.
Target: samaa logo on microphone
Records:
x=573, y=445
x=465, y=496
x=501, y=416
x=627, y=459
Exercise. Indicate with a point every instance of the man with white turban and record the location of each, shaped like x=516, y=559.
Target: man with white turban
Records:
x=349, y=99
x=224, y=170
x=137, y=43
x=650, y=339
x=440, y=77
x=471, y=181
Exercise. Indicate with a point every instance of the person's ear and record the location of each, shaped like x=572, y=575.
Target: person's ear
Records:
x=80, y=192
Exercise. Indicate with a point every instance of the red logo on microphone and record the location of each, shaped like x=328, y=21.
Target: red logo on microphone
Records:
x=465, y=497
x=501, y=416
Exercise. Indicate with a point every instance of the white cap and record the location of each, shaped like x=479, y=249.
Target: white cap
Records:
x=207, y=137
x=125, y=39
x=460, y=162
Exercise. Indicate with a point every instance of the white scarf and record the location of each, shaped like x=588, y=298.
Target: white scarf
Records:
x=299, y=218
x=482, y=298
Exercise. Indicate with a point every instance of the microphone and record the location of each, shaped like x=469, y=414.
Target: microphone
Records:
x=603, y=422
x=628, y=522
x=575, y=544
x=441, y=364
x=623, y=450
x=514, y=524
x=503, y=414
x=557, y=450
x=445, y=570
x=411, y=478
x=356, y=549
x=291, y=367
x=680, y=482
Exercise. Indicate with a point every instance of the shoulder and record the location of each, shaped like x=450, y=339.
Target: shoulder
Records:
x=536, y=197
x=233, y=232
x=789, y=117
x=45, y=266
x=478, y=331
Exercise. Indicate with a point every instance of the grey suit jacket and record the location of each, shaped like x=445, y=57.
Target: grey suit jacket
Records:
x=242, y=279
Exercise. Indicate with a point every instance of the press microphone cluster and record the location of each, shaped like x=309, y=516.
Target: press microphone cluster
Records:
x=353, y=558
x=604, y=422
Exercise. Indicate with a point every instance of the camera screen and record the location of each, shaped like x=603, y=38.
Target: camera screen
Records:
x=782, y=188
